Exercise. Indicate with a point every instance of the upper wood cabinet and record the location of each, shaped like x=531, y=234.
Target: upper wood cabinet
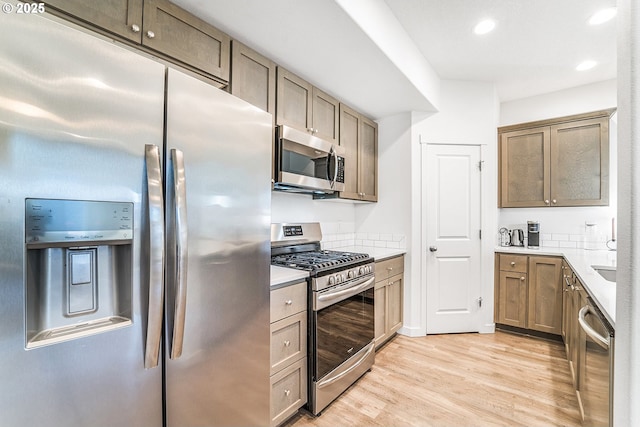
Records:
x=301, y=105
x=158, y=25
x=559, y=162
x=359, y=137
x=253, y=77
x=121, y=17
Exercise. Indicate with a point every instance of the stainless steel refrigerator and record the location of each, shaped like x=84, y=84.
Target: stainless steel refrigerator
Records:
x=134, y=238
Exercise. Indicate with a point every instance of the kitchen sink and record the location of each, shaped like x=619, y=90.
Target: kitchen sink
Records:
x=607, y=272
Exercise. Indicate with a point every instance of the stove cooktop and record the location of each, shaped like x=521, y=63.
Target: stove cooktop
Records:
x=319, y=260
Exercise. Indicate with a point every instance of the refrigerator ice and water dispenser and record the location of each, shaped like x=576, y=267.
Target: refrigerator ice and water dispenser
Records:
x=79, y=268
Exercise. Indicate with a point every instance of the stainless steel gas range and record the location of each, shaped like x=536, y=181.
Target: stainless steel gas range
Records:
x=341, y=315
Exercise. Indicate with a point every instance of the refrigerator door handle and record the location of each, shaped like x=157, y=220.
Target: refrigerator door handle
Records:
x=156, y=255
x=180, y=207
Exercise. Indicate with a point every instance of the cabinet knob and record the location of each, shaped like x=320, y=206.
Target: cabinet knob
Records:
x=513, y=264
x=287, y=343
x=546, y=202
x=310, y=130
x=522, y=279
x=151, y=34
x=287, y=392
x=554, y=201
x=288, y=302
x=135, y=28
x=433, y=248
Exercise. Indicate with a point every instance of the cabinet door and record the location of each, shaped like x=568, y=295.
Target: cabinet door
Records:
x=325, y=116
x=525, y=168
x=545, y=294
x=512, y=299
x=121, y=17
x=379, y=310
x=580, y=163
x=253, y=77
x=293, y=102
x=368, y=160
x=182, y=36
x=349, y=136
x=394, y=302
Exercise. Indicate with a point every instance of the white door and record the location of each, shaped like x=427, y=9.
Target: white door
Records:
x=453, y=238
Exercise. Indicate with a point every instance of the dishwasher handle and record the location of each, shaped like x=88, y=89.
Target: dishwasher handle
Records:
x=599, y=339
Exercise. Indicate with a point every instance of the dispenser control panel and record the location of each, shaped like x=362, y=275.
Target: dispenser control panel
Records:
x=71, y=221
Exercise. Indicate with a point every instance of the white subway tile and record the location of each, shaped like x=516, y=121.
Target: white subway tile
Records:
x=397, y=237
x=580, y=245
x=361, y=236
x=386, y=237
x=567, y=244
x=393, y=245
x=367, y=242
x=560, y=237
x=551, y=243
x=358, y=242
x=576, y=237
x=380, y=244
x=546, y=236
x=374, y=236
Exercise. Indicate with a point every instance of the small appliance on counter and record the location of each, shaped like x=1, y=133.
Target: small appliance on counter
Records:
x=533, y=234
x=517, y=237
x=505, y=238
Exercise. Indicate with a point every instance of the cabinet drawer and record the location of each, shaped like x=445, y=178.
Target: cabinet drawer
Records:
x=288, y=341
x=389, y=267
x=289, y=300
x=513, y=263
x=288, y=391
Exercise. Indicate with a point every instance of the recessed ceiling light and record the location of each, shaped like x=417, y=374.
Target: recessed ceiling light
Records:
x=603, y=16
x=484, y=27
x=586, y=65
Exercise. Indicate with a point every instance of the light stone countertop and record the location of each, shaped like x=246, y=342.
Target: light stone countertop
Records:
x=602, y=291
x=282, y=276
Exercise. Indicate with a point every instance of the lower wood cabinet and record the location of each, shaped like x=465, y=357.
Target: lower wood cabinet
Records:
x=388, y=298
x=529, y=292
x=288, y=351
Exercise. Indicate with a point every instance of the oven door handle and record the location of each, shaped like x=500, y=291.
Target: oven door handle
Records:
x=354, y=290
x=599, y=339
x=329, y=381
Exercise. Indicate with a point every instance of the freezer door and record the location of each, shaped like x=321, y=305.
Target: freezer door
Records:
x=218, y=229
x=75, y=114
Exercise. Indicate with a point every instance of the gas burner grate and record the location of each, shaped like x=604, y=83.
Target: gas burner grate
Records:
x=317, y=260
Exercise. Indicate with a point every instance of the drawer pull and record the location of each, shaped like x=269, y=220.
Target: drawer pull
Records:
x=513, y=264
x=287, y=392
x=522, y=279
x=288, y=302
x=287, y=343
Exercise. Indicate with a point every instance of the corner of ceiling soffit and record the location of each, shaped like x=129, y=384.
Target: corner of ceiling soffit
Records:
x=377, y=21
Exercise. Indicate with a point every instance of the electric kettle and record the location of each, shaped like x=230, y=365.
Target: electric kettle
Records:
x=517, y=237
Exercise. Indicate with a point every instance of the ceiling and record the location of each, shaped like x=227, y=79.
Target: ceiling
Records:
x=534, y=49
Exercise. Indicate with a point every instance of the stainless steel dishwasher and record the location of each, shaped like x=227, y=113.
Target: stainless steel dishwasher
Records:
x=596, y=388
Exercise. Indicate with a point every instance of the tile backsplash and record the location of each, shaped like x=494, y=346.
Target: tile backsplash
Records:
x=341, y=234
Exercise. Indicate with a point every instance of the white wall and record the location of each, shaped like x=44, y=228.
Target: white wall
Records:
x=337, y=219
x=577, y=100
x=469, y=115
x=565, y=227
x=627, y=345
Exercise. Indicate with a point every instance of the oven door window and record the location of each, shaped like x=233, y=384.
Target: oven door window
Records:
x=343, y=329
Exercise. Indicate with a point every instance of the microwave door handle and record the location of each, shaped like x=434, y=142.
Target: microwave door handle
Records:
x=181, y=231
x=156, y=255
x=333, y=154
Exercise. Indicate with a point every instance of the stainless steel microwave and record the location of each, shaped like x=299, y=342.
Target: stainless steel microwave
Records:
x=307, y=164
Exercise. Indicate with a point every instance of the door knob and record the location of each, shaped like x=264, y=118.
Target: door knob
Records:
x=433, y=248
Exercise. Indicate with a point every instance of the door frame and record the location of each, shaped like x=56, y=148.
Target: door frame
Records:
x=488, y=221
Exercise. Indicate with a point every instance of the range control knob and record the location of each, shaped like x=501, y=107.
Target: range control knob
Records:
x=351, y=274
x=361, y=271
x=342, y=276
x=332, y=280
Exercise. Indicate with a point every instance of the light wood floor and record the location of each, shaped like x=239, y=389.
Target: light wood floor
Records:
x=499, y=379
